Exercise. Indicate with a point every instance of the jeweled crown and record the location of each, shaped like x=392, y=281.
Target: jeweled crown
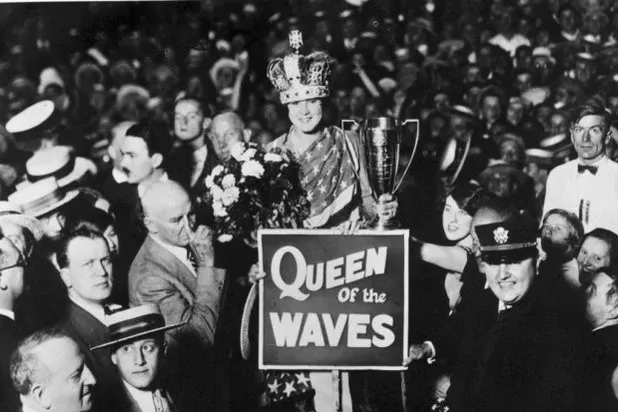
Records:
x=299, y=77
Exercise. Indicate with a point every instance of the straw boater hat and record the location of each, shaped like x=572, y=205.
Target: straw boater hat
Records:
x=134, y=323
x=298, y=77
x=41, y=197
x=33, y=123
x=11, y=213
x=59, y=162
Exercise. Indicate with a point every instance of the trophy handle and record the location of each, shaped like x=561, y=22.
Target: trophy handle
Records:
x=405, y=172
x=347, y=121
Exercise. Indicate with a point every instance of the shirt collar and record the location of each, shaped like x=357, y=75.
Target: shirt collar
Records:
x=178, y=251
x=94, y=309
x=143, y=398
x=119, y=177
x=8, y=313
x=201, y=153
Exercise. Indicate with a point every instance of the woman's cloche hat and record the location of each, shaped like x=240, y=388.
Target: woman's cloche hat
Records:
x=134, y=323
x=298, y=77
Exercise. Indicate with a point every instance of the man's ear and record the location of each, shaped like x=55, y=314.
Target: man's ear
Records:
x=114, y=359
x=152, y=228
x=613, y=311
x=41, y=396
x=64, y=274
x=206, y=123
x=156, y=160
x=111, y=152
x=246, y=134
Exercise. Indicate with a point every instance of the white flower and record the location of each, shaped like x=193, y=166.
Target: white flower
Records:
x=216, y=192
x=228, y=181
x=237, y=150
x=248, y=155
x=272, y=157
x=218, y=169
x=224, y=238
x=230, y=195
x=252, y=168
x=209, y=181
x=218, y=209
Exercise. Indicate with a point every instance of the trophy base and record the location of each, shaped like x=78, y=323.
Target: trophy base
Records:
x=378, y=224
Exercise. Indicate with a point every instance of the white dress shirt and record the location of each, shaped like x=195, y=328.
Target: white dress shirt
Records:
x=199, y=158
x=593, y=198
x=143, y=398
x=509, y=45
x=179, y=252
x=94, y=309
x=8, y=313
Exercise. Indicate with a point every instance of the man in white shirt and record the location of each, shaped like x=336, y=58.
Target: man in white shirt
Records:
x=50, y=374
x=508, y=39
x=86, y=268
x=137, y=343
x=587, y=186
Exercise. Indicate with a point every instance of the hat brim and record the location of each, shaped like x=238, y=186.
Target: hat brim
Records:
x=245, y=342
x=452, y=164
x=28, y=222
x=519, y=175
x=513, y=254
x=82, y=167
x=70, y=195
x=136, y=336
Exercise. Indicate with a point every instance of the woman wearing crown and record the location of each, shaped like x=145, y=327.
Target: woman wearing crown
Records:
x=332, y=172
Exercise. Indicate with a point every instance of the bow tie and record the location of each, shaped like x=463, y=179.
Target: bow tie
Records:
x=591, y=169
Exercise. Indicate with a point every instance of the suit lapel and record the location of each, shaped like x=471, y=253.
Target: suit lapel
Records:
x=181, y=272
x=92, y=330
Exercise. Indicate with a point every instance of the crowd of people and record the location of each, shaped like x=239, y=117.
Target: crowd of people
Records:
x=116, y=296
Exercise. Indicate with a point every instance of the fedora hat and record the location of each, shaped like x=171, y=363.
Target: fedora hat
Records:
x=453, y=157
x=41, y=197
x=130, y=324
x=59, y=162
x=11, y=213
x=503, y=168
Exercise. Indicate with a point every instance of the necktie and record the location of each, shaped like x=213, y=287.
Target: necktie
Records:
x=191, y=258
x=591, y=169
x=160, y=401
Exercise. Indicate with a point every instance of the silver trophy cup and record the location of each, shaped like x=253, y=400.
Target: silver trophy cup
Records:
x=381, y=139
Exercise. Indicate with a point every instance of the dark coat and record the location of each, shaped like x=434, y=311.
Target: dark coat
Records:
x=88, y=331
x=9, y=398
x=533, y=358
x=605, y=356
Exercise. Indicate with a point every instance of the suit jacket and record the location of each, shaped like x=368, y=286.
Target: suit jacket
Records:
x=157, y=276
x=88, y=331
x=9, y=398
x=566, y=188
x=533, y=358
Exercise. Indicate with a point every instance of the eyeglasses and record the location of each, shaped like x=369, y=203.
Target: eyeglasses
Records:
x=21, y=262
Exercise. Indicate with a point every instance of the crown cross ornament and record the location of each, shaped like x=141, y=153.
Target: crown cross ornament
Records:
x=501, y=235
x=298, y=77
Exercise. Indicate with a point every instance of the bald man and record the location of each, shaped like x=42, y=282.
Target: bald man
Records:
x=175, y=269
x=227, y=128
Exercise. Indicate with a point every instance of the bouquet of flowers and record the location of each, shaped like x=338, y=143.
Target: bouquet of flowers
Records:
x=255, y=189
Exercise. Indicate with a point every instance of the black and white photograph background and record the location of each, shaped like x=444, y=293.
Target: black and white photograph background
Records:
x=309, y=205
